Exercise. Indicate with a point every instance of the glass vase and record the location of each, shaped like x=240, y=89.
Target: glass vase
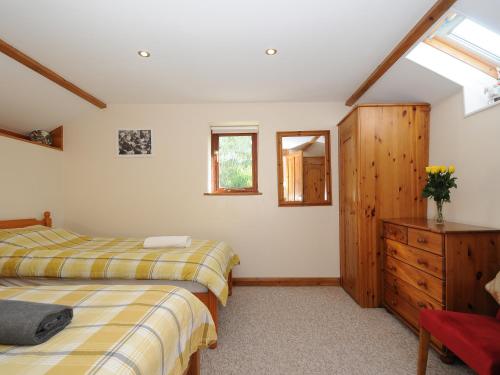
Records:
x=439, y=214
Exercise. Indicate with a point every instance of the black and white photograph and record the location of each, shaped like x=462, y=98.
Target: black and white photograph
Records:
x=134, y=142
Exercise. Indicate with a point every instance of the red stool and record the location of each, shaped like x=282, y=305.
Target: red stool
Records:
x=475, y=339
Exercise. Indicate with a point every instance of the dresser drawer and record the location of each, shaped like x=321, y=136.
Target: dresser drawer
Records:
x=396, y=232
x=429, y=241
x=421, y=259
x=428, y=284
x=403, y=308
x=406, y=311
x=410, y=294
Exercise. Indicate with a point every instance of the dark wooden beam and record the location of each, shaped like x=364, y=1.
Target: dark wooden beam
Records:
x=48, y=73
x=437, y=11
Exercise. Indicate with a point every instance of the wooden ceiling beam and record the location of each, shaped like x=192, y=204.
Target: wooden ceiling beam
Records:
x=48, y=73
x=306, y=146
x=436, y=12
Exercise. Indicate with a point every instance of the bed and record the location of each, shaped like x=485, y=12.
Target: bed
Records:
x=116, y=329
x=32, y=253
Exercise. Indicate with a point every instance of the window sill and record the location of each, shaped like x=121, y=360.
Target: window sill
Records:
x=488, y=106
x=236, y=193
x=303, y=204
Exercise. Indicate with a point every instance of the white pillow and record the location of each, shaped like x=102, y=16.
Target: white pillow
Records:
x=493, y=287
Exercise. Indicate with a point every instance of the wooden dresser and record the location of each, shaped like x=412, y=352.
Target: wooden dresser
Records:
x=442, y=267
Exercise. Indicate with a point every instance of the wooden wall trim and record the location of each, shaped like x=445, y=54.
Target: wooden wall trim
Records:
x=439, y=8
x=27, y=61
x=286, y=281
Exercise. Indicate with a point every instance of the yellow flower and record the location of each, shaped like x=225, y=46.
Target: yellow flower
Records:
x=428, y=170
x=451, y=169
x=443, y=169
x=434, y=169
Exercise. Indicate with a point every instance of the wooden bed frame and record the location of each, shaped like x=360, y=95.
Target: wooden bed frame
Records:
x=208, y=298
x=194, y=364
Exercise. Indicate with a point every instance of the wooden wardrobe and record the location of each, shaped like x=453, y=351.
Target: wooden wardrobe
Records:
x=383, y=151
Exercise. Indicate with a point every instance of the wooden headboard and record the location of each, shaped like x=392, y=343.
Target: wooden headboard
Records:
x=21, y=223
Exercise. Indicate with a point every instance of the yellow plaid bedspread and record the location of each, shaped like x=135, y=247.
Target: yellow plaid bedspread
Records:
x=140, y=330
x=39, y=251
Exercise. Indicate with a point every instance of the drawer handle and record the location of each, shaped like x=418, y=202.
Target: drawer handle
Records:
x=392, y=268
x=393, y=251
x=422, y=283
x=422, y=262
x=421, y=305
x=421, y=240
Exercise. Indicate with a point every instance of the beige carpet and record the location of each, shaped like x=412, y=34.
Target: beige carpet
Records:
x=311, y=330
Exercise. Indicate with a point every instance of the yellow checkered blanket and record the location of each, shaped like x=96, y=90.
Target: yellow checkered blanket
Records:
x=38, y=251
x=115, y=330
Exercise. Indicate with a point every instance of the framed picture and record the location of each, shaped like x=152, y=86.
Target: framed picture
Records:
x=132, y=142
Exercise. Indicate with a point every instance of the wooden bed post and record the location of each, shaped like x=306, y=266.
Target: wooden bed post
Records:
x=47, y=220
x=194, y=364
x=211, y=302
x=212, y=307
x=230, y=283
x=22, y=223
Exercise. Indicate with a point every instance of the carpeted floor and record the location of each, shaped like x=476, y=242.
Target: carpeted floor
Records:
x=311, y=330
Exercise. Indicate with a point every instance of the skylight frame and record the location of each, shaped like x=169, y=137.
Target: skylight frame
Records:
x=444, y=33
x=470, y=44
x=444, y=40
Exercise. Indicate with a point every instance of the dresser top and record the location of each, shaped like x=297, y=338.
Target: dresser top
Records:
x=447, y=227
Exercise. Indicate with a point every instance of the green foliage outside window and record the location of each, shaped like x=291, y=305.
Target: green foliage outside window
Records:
x=235, y=162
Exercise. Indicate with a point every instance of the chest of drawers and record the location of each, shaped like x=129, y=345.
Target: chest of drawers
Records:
x=443, y=267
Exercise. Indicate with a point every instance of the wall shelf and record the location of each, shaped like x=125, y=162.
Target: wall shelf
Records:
x=57, y=138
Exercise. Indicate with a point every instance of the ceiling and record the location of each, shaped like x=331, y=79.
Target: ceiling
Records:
x=201, y=51
x=204, y=51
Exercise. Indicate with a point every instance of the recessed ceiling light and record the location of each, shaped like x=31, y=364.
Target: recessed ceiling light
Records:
x=143, y=53
x=271, y=51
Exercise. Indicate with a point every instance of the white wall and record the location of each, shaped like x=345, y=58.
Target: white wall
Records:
x=109, y=195
x=91, y=190
x=473, y=145
x=31, y=180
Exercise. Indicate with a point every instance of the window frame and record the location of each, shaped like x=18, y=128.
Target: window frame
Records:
x=442, y=39
x=470, y=45
x=216, y=190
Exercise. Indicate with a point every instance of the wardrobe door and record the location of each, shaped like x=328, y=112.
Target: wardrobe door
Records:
x=314, y=179
x=348, y=173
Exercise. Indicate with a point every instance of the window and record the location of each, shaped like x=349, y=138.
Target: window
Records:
x=477, y=38
x=466, y=53
x=234, y=160
x=468, y=42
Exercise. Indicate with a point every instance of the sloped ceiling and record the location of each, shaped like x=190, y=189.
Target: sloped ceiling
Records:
x=209, y=51
x=408, y=81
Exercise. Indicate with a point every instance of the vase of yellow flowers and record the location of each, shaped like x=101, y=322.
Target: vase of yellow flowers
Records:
x=440, y=181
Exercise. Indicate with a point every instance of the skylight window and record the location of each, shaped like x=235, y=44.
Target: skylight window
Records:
x=466, y=53
x=478, y=38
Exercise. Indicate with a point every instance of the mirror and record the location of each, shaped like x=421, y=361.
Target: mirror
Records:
x=304, y=168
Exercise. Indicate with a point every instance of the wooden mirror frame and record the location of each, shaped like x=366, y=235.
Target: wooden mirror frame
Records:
x=328, y=175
